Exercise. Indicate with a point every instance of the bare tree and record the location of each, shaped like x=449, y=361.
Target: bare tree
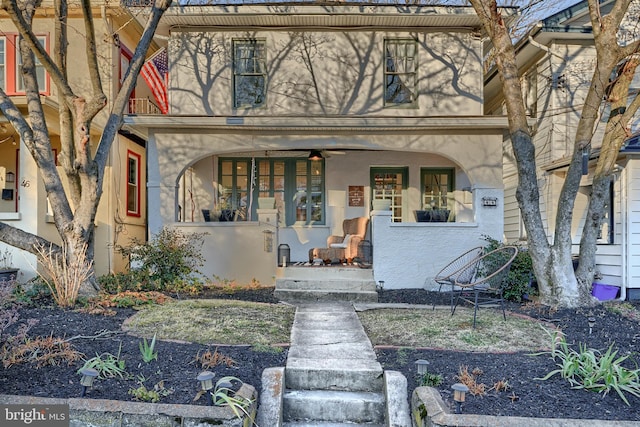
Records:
x=552, y=262
x=74, y=208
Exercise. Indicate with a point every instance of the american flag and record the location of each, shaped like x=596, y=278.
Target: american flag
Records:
x=154, y=72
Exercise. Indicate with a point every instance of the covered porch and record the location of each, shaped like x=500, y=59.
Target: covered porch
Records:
x=260, y=171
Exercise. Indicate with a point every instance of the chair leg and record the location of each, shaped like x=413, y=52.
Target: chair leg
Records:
x=475, y=307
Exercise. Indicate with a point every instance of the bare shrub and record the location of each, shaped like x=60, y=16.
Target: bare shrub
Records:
x=64, y=278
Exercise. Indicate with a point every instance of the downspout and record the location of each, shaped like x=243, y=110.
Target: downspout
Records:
x=625, y=229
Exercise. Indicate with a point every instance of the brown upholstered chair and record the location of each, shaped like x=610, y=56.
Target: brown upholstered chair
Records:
x=343, y=247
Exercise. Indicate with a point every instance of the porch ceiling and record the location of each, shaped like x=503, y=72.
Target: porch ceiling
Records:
x=280, y=125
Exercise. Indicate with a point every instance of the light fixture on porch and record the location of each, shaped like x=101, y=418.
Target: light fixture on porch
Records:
x=315, y=155
x=11, y=177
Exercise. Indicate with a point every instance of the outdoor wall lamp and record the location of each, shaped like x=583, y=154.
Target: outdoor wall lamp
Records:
x=206, y=382
x=88, y=376
x=11, y=177
x=421, y=366
x=459, y=393
x=592, y=323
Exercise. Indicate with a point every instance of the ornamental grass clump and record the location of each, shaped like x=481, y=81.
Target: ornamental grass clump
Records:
x=593, y=370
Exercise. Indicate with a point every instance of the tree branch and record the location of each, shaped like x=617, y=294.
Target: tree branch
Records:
x=24, y=240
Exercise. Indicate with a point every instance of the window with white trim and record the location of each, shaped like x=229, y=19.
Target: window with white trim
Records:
x=3, y=61
x=133, y=183
x=40, y=72
x=400, y=72
x=249, y=73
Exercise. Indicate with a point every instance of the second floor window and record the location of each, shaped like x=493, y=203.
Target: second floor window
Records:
x=249, y=73
x=400, y=72
x=40, y=73
x=11, y=79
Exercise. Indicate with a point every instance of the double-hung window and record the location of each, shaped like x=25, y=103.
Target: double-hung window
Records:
x=40, y=73
x=249, y=73
x=11, y=65
x=400, y=72
x=133, y=184
x=296, y=184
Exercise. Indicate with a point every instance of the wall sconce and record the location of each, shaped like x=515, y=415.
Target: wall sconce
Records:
x=88, y=376
x=490, y=202
x=11, y=177
x=421, y=366
x=206, y=382
x=459, y=393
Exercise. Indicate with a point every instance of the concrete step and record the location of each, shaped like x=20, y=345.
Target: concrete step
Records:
x=353, y=285
x=324, y=273
x=333, y=374
x=302, y=296
x=337, y=406
x=327, y=424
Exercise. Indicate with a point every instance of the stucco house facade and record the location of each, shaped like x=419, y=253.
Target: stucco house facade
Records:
x=556, y=61
x=121, y=215
x=285, y=120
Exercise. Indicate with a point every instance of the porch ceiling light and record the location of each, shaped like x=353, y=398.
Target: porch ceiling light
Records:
x=315, y=155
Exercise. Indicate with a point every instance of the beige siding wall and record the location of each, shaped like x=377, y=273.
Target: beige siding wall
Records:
x=324, y=73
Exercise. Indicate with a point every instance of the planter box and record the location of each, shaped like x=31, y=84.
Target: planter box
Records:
x=604, y=292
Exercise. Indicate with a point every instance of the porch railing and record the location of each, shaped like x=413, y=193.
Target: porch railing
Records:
x=143, y=106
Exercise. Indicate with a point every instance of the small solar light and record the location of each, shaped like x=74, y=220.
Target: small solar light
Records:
x=88, y=376
x=206, y=382
x=592, y=323
x=380, y=286
x=421, y=366
x=459, y=393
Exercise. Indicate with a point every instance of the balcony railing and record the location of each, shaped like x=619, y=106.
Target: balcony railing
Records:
x=143, y=106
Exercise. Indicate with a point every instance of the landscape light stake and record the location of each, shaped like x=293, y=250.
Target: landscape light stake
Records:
x=592, y=323
x=206, y=382
x=88, y=376
x=380, y=286
x=459, y=392
x=421, y=366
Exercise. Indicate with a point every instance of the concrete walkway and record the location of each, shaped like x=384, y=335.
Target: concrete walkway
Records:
x=332, y=377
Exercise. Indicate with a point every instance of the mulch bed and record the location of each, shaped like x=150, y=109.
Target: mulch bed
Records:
x=177, y=368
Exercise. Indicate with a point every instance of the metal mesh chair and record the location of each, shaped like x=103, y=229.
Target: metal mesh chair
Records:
x=462, y=264
x=487, y=282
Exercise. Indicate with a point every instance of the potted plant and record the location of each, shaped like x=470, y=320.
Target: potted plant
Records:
x=7, y=270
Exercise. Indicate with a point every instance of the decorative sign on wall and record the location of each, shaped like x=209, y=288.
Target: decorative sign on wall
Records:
x=356, y=195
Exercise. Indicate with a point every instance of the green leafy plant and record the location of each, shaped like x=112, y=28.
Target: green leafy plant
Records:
x=169, y=261
x=592, y=370
x=147, y=349
x=107, y=365
x=520, y=273
x=429, y=379
x=224, y=396
x=152, y=395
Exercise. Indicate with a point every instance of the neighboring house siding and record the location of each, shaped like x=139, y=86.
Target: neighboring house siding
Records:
x=511, y=210
x=325, y=73
x=633, y=224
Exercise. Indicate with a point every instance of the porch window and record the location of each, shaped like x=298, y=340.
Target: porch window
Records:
x=390, y=184
x=400, y=72
x=133, y=184
x=437, y=191
x=296, y=184
x=249, y=73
